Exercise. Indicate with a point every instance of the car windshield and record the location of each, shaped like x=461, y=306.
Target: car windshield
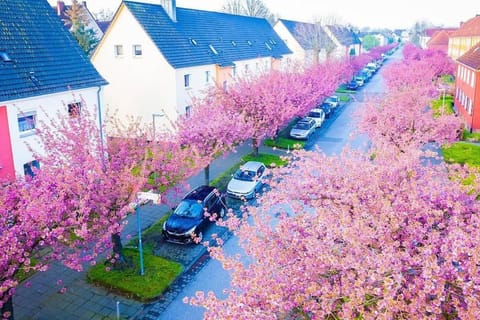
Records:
x=302, y=126
x=244, y=175
x=189, y=209
x=314, y=114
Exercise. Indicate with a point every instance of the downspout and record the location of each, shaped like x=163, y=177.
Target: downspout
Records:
x=100, y=123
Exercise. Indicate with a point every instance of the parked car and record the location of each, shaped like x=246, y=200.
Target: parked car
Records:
x=352, y=85
x=333, y=100
x=303, y=129
x=247, y=180
x=190, y=217
x=327, y=108
x=318, y=115
x=359, y=80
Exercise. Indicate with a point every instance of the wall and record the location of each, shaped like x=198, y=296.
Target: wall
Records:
x=7, y=170
x=42, y=105
x=138, y=86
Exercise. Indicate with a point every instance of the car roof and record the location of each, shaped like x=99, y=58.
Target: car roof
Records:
x=251, y=165
x=317, y=110
x=199, y=193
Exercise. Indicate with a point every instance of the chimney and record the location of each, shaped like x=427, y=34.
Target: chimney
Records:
x=170, y=7
x=84, y=4
x=60, y=7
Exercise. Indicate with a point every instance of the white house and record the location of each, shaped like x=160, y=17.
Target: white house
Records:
x=42, y=70
x=300, y=38
x=157, y=57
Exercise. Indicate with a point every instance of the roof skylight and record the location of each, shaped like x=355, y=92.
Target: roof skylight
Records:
x=249, y=42
x=213, y=49
x=193, y=41
x=4, y=56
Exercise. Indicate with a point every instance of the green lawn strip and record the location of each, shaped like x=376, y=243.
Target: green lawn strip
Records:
x=285, y=143
x=159, y=274
x=462, y=153
x=440, y=105
x=472, y=137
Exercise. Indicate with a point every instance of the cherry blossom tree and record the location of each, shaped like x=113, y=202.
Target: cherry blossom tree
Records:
x=211, y=130
x=363, y=240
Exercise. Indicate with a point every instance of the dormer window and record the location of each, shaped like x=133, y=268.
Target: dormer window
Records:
x=5, y=57
x=212, y=48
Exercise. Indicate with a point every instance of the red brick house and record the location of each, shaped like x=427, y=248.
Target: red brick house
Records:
x=467, y=87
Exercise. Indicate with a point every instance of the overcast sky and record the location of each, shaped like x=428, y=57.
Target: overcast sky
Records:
x=366, y=13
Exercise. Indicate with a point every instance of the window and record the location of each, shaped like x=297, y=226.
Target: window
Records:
x=234, y=71
x=28, y=168
x=137, y=50
x=212, y=48
x=27, y=122
x=186, y=80
x=118, y=50
x=74, y=109
x=207, y=76
x=246, y=68
x=188, y=111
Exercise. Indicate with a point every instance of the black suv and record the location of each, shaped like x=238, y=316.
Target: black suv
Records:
x=190, y=217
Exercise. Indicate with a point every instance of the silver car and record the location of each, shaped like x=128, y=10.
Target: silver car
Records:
x=303, y=129
x=247, y=180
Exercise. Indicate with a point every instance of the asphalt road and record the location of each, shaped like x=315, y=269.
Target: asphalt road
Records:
x=336, y=133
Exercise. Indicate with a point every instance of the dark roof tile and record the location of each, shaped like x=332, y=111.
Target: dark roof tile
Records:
x=45, y=57
x=203, y=37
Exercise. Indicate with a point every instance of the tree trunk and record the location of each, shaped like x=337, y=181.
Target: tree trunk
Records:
x=7, y=309
x=206, y=173
x=119, y=258
x=255, y=147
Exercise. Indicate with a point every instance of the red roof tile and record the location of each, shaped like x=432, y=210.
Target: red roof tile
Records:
x=469, y=28
x=471, y=58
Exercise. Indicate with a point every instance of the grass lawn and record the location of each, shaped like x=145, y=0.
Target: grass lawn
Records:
x=159, y=274
x=473, y=137
x=462, y=152
x=440, y=105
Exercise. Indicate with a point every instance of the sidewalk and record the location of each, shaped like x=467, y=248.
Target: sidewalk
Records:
x=43, y=300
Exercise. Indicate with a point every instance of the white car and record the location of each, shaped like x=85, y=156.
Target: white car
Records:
x=303, y=129
x=334, y=101
x=247, y=180
x=318, y=115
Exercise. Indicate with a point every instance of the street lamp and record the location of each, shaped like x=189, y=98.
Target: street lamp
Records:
x=143, y=196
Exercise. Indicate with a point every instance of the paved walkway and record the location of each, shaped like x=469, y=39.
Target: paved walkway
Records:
x=41, y=298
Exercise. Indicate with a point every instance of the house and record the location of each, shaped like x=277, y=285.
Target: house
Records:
x=467, y=87
x=464, y=38
x=157, y=58
x=40, y=74
x=439, y=41
x=301, y=38
x=430, y=33
x=90, y=22
x=347, y=42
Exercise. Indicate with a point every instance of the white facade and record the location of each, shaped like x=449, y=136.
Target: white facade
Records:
x=36, y=108
x=299, y=54
x=145, y=86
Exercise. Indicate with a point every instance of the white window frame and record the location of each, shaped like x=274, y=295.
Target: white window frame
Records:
x=118, y=50
x=186, y=80
x=24, y=129
x=137, y=50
